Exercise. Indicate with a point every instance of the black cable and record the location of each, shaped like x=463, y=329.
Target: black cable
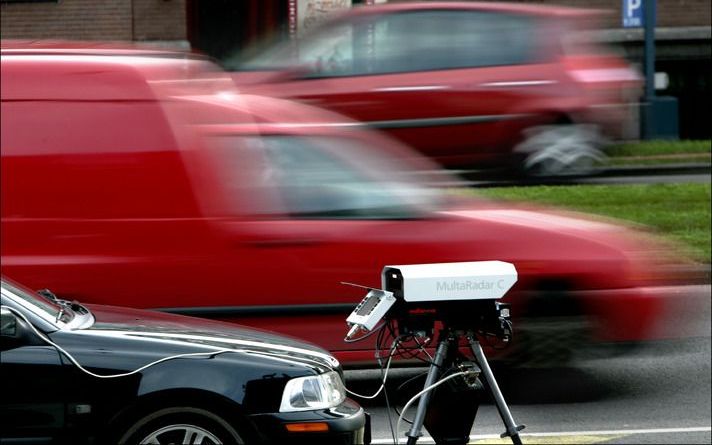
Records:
x=365, y=336
x=497, y=345
x=379, y=344
x=400, y=387
x=379, y=340
x=413, y=353
x=388, y=409
x=419, y=348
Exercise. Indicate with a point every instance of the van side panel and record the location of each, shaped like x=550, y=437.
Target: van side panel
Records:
x=96, y=190
x=89, y=160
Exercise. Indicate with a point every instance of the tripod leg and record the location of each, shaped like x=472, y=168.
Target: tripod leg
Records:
x=512, y=428
x=433, y=373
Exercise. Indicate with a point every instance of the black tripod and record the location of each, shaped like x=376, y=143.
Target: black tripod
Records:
x=449, y=339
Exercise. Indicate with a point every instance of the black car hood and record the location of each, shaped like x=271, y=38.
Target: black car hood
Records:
x=120, y=322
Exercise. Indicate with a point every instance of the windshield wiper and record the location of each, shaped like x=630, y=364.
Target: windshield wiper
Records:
x=48, y=294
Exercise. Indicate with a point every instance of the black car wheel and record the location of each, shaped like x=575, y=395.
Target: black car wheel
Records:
x=181, y=426
x=552, y=330
x=563, y=149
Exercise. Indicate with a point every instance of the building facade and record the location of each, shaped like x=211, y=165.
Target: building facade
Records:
x=221, y=28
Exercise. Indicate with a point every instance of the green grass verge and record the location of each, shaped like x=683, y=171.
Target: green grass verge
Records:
x=678, y=211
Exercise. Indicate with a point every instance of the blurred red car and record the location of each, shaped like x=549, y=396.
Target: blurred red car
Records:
x=143, y=178
x=485, y=84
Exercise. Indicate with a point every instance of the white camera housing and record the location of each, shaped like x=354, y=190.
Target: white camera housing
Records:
x=434, y=282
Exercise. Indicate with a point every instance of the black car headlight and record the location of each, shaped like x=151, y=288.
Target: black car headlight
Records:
x=313, y=392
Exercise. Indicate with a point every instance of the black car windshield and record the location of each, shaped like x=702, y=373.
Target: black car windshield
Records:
x=41, y=306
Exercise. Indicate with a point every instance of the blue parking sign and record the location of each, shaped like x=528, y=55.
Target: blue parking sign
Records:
x=632, y=13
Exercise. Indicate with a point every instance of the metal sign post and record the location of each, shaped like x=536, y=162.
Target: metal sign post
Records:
x=649, y=55
x=637, y=14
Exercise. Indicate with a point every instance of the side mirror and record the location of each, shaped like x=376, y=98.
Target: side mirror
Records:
x=15, y=332
x=8, y=324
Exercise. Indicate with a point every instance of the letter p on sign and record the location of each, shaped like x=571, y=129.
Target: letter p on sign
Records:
x=632, y=13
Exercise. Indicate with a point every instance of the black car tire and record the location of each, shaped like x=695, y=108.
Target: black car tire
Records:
x=552, y=330
x=563, y=149
x=211, y=427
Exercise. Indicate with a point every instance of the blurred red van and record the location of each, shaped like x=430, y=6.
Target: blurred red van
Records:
x=143, y=178
x=465, y=83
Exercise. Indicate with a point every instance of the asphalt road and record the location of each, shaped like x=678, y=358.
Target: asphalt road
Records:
x=658, y=394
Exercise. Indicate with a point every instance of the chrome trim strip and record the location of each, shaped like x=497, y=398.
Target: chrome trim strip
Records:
x=442, y=121
x=38, y=312
x=412, y=88
x=519, y=83
x=206, y=340
x=289, y=310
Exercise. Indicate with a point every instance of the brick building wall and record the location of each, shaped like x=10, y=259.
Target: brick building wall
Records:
x=94, y=20
x=684, y=13
x=159, y=20
x=166, y=19
x=670, y=13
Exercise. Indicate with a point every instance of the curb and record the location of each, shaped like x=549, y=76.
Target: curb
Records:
x=484, y=179
x=697, y=274
x=654, y=170
x=688, y=274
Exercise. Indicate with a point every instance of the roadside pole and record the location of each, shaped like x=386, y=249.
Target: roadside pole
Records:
x=649, y=9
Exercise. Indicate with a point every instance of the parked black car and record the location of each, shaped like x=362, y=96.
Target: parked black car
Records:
x=72, y=373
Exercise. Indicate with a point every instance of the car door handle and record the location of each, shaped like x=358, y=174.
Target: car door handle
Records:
x=273, y=234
